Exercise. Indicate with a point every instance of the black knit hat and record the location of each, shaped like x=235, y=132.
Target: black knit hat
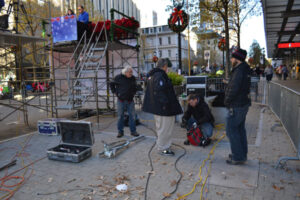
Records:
x=239, y=54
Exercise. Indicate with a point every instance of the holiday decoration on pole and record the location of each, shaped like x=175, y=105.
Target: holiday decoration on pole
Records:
x=178, y=20
x=155, y=59
x=221, y=44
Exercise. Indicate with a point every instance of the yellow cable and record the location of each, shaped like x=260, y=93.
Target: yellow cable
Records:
x=211, y=153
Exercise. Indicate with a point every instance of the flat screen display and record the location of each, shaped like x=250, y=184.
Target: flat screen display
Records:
x=64, y=28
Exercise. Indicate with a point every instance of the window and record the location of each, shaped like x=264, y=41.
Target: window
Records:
x=160, y=53
x=160, y=41
x=169, y=53
x=151, y=30
x=159, y=29
x=143, y=31
x=154, y=29
x=169, y=40
x=208, y=42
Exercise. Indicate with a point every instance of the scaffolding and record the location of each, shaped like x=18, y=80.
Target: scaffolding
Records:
x=73, y=75
x=24, y=68
x=93, y=63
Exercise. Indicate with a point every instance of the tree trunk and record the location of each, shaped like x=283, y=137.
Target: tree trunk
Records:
x=239, y=36
x=227, y=67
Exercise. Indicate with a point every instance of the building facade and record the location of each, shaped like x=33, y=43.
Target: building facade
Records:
x=160, y=41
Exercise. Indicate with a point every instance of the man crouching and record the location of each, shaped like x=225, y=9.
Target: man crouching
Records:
x=198, y=112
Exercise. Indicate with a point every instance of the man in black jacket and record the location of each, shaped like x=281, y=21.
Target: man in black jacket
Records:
x=237, y=101
x=198, y=112
x=160, y=100
x=124, y=86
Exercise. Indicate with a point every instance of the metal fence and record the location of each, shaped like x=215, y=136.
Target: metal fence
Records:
x=285, y=103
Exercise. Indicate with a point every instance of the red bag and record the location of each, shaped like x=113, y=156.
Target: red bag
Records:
x=196, y=137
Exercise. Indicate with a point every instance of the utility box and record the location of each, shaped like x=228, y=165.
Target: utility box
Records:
x=77, y=140
x=196, y=85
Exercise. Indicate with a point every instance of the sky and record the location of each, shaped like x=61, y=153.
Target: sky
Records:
x=252, y=28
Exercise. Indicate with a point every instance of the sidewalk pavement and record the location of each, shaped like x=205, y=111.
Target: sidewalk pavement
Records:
x=96, y=178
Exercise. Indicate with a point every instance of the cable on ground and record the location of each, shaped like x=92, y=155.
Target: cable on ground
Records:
x=152, y=168
x=210, y=158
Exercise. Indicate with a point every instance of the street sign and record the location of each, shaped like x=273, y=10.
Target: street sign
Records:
x=206, y=54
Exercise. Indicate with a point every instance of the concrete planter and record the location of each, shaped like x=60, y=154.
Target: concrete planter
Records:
x=178, y=89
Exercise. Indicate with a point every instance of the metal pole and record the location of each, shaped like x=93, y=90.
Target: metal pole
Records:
x=223, y=58
x=107, y=79
x=189, y=53
x=179, y=51
x=96, y=94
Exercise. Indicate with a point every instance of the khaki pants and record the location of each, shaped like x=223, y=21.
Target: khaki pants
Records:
x=164, y=128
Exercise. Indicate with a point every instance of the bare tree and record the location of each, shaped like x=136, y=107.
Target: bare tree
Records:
x=241, y=10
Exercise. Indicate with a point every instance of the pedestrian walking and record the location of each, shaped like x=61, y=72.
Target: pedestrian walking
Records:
x=285, y=72
x=237, y=101
x=279, y=72
x=160, y=100
x=269, y=73
x=125, y=87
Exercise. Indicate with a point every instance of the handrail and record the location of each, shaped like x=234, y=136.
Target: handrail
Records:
x=72, y=57
x=90, y=48
x=113, y=25
x=120, y=13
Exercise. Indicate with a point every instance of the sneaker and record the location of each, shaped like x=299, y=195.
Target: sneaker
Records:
x=135, y=134
x=120, y=134
x=167, y=152
x=235, y=162
x=186, y=142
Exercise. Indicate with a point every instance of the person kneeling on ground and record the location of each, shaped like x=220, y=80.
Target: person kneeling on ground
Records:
x=198, y=112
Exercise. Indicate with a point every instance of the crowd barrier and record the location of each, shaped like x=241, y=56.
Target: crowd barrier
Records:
x=285, y=103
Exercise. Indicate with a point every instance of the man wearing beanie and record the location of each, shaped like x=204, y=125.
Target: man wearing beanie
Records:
x=237, y=101
x=160, y=100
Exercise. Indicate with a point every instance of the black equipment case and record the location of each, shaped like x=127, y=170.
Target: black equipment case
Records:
x=77, y=140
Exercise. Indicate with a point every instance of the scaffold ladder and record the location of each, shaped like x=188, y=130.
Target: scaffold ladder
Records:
x=86, y=67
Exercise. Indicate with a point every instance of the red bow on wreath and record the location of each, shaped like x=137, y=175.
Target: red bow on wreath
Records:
x=177, y=14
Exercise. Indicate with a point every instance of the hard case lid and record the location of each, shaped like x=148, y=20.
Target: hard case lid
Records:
x=77, y=133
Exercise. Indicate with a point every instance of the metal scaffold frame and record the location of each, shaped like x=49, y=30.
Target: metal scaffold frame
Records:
x=57, y=57
x=101, y=73
x=36, y=72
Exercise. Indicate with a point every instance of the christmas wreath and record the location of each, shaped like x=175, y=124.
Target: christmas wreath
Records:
x=221, y=44
x=180, y=25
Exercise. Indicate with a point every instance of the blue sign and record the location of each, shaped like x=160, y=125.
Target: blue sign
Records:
x=64, y=28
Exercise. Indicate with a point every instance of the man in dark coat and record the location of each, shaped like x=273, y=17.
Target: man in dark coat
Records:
x=2, y=4
x=237, y=100
x=198, y=112
x=124, y=86
x=160, y=100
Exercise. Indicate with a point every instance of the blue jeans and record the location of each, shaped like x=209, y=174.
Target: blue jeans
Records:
x=123, y=106
x=206, y=128
x=236, y=132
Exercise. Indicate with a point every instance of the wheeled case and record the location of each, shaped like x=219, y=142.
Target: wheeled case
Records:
x=77, y=141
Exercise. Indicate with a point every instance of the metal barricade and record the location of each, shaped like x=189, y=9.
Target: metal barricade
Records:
x=285, y=103
x=254, y=85
x=215, y=85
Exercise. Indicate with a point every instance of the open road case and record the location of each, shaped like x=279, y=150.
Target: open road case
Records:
x=77, y=140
